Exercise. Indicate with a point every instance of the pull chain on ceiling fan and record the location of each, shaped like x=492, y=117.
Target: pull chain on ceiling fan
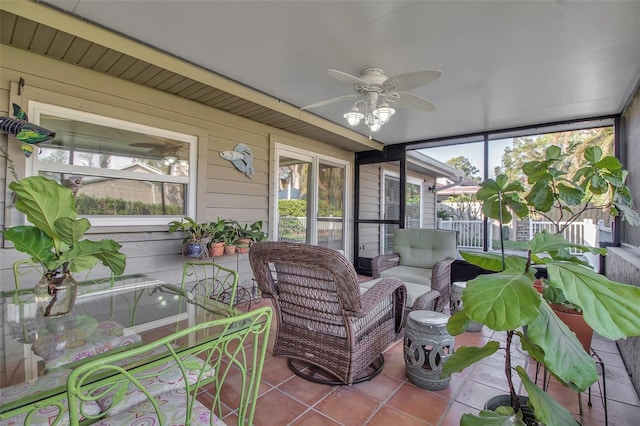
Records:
x=375, y=93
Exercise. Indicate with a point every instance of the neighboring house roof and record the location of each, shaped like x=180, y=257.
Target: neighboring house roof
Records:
x=468, y=186
x=424, y=164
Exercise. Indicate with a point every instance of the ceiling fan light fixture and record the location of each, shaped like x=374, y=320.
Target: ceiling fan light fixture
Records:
x=375, y=124
x=383, y=113
x=354, y=116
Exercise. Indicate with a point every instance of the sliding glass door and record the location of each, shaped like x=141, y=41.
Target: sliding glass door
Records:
x=311, y=198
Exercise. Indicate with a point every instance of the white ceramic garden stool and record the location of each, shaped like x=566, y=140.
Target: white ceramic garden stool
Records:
x=456, y=303
x=427, y=345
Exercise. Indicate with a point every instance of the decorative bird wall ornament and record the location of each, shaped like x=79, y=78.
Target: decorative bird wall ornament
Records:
x=241, y=157
x=27, y=133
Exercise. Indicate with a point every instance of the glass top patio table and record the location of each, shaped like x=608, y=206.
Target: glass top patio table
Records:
x=108, y=315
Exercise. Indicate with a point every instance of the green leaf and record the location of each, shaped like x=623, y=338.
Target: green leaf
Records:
x=493, y=261
x=458, y=323
x=502, y=301
x=610, y=308
x=465, y=356
x=593, y=154
x=540, y=196
x=43, y=201
x=553, y=153
x=32, y=241
x=564, y=355
x=629, y=215
x=546, y=409
x=532, y=349
x=609, y=163
x=547, y=242
x=489, y=418
x=496, y=210
x=570, y=195
x=71, y=230
x=84, y=252
x=80, y=262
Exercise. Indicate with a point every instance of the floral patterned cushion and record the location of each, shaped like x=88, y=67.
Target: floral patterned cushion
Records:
x=173, y=410
x=157, y=380
x=45, y=416
x=83, y=341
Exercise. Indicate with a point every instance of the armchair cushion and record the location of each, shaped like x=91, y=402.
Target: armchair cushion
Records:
x=422, y=260
x=423, y=248
x=413, y=290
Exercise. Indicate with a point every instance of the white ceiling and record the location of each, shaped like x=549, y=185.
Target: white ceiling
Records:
x=504, y=64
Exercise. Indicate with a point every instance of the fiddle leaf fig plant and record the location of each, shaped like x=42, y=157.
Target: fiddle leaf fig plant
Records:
x=507, y=300
x=55, y=237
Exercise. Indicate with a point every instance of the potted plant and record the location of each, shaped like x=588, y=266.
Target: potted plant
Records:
x=216, y=243
x=54, y=240
x=248, y=234
x=195, y=234
x=507, y=300
x=230, y=237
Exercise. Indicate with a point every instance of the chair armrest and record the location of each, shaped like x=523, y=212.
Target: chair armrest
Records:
x=382, y=262
x=441, y=281
x=382, y=289
x=426, y=301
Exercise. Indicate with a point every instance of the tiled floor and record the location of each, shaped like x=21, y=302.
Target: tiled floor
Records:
x=390, y=399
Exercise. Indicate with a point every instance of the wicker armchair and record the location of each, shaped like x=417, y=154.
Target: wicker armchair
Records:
x=422, y=259
x=327, y=330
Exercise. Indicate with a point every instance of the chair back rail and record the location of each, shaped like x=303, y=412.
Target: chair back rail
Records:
x=210, y=356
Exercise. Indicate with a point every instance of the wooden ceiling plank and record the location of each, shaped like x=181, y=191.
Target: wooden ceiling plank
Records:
x=23, y=33
x=60, y=45
x=170, y=82
x=107, y=60
x=135, y=69
x=8, y=22
x=77, y=50
x=93, y=56
x=147, y=74
x=159, y=78
x=187, y=92
x=42, y=39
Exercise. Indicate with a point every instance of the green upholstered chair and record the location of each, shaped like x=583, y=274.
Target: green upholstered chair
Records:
x=422, y=259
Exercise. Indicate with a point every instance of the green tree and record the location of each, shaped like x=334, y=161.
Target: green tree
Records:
x=463, y=164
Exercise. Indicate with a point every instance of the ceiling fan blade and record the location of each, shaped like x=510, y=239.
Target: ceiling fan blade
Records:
x=347, y=78
x=409, y=100
x=410, y=80
x=330, y=101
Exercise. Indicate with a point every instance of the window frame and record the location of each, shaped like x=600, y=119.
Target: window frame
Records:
x=314, y=159
x=34, y=166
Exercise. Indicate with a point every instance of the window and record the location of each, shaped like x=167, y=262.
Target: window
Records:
x=390, y=205
x=124, y=173
x=311, y=198
x=506, y=152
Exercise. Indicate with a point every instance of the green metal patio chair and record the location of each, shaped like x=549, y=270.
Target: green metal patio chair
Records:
x=125, y=384
x=210, y=280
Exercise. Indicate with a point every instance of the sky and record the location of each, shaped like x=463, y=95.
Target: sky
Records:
x=474, y=153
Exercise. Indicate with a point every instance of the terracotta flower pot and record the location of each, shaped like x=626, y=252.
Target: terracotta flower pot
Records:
x=216, y=249
x=243, y=244
x=574, y=320
x=230, y=249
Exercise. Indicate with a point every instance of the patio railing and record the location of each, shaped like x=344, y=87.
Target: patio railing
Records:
x=294, y=229
x=582, y=233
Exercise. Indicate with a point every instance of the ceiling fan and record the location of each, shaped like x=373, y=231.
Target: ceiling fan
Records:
x=374, y=87
x=169, y=151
